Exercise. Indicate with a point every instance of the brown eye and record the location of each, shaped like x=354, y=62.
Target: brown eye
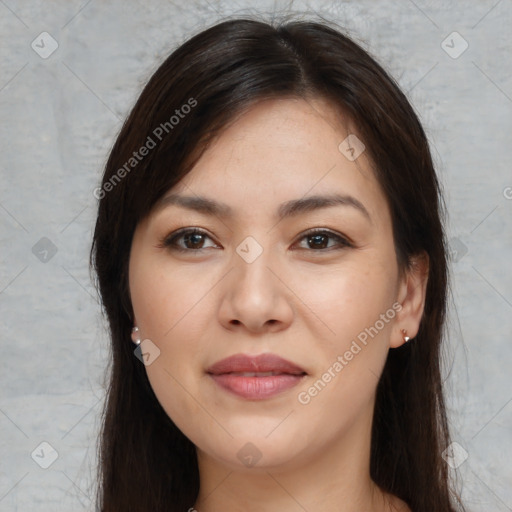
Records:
x=196, y=240
x=320, y=240
x=187, y=240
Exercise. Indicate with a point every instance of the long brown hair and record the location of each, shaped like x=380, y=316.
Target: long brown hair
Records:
x=145, y=461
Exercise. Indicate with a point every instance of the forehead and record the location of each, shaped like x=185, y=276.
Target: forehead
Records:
x=284, y=149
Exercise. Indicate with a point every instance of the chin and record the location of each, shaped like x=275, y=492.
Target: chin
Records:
x=256, y=448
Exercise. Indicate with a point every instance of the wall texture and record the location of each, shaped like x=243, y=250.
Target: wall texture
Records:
x=69, y=73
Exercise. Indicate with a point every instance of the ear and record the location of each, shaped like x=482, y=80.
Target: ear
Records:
x=411, y=295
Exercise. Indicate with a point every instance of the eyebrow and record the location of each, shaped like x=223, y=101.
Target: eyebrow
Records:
x=290, y=208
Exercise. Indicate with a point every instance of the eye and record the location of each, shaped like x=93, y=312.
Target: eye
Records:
x=187, y=240
x=318, y=240
x=193, y=240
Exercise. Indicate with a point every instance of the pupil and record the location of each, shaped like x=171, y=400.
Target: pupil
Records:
x=317, y=238
x=194, y=239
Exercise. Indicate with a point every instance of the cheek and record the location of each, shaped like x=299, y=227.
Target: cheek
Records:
x=347, y=298
x=352, y=350
x=165, y=296
x=351, y=357
x=173, y=314
x=167, y=308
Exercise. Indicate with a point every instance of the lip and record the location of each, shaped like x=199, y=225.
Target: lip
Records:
x=227, y=373
x=261, y=363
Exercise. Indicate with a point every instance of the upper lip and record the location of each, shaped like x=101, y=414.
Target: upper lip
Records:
x=260, y=363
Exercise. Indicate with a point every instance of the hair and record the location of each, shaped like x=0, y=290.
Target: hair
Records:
x=145, y=462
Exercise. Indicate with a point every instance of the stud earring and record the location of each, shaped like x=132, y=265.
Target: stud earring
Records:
x=136, y=335
x=406, y=338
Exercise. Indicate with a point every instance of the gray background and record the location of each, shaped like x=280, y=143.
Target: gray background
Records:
x=60, y=116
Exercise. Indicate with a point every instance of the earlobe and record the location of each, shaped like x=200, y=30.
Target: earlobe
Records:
x=136, y=335
x=411, y=295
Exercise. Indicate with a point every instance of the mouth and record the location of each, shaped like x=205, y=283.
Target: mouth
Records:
x=259, y=364
x=256, y=377
x=259, y=374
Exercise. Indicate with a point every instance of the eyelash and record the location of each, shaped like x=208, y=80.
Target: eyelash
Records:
x=170, y=240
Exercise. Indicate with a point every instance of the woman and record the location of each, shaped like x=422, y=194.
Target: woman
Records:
x=272, y=263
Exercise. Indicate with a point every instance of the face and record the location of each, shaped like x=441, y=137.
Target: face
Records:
x=270, y=271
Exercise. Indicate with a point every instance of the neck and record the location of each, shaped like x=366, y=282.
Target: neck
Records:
x=333, y=480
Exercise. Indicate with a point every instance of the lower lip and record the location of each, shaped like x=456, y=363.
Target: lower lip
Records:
x=256, y=388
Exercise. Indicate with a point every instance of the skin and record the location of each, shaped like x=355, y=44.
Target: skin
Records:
x=303, y=303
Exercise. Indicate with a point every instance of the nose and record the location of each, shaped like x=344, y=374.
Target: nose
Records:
x=255, y=297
